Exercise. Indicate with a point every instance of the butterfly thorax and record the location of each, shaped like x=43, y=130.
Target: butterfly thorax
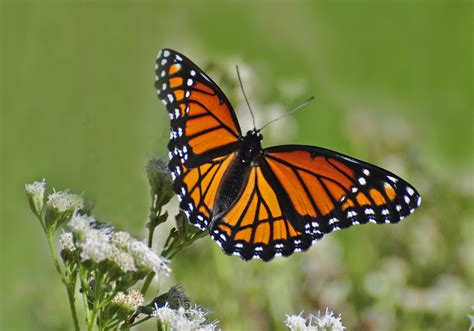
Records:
x=251, y=148
x=249, y=154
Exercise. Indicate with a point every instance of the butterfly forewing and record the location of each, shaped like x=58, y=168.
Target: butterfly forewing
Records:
x=203, y=123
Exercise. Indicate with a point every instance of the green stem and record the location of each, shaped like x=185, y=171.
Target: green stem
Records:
x=154, y=215
x=70, y=285
x=71, y=289
x=85, y=290
x=150, y=236
x=147, y=283
x=138, y=322
x=55, y=258
x=95, y=307
x=41, y=222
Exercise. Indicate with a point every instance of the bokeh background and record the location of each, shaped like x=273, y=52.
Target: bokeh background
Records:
x=393, y=82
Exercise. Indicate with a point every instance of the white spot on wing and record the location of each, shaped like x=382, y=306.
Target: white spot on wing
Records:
x=392, y=179
x=351, y=213
x=407, y=199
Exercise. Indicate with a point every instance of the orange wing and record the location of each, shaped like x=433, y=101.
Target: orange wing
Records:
x=197, y=188
x=203, y=123
x=256, y=226
x=327, y=191
x=204, y=133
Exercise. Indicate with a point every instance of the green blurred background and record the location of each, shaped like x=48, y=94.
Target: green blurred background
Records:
x=394, y=86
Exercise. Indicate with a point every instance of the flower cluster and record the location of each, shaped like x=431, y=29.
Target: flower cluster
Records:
x=319, y=322
x=101, y=244
x=131, y=300
x=182, y=319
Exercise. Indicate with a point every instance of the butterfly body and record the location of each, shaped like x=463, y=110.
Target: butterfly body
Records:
x=256, y=202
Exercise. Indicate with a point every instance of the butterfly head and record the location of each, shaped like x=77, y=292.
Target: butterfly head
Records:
x=251, y=148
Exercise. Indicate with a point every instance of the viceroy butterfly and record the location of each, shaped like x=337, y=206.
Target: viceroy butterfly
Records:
x=263, y=202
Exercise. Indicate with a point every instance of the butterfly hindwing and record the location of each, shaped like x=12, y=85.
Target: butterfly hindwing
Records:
x=330, y=191
x=256, y=226
x=197, y=188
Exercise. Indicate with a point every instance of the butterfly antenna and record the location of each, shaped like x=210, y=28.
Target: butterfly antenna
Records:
x=289, y=113
x=245, y=96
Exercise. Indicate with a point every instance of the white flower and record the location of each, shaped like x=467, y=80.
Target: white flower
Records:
x=66, y=241
x=181, y=319
x=36, y=188
x=124, y=260
x=326, y=322
x=95, y=246
x=132, y=300
x=121, y=239
x=63, y=201
x=80, y=224
x=147, y=258
x=296, y=322
x=165, y=314
x=35, y=193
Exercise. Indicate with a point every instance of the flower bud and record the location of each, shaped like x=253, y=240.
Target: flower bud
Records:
x=60, y=208
x=160, y=182
x=35, y=194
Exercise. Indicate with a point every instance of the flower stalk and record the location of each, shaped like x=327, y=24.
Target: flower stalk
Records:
x=108, y=263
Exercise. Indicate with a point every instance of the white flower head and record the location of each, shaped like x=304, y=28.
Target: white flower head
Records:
x=181, y=319
x=66, y=241
x=36, y=188
x=95, y=246
x=296, y=322
x=132, y=300
x=64, y=201
x=147, y=258
x=123, y=259
x=121, y=239
x=81, y=224
x=326, y=322
x=35, y=193
x=165, y=314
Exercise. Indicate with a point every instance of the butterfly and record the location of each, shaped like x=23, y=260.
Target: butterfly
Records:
x=263, y=202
